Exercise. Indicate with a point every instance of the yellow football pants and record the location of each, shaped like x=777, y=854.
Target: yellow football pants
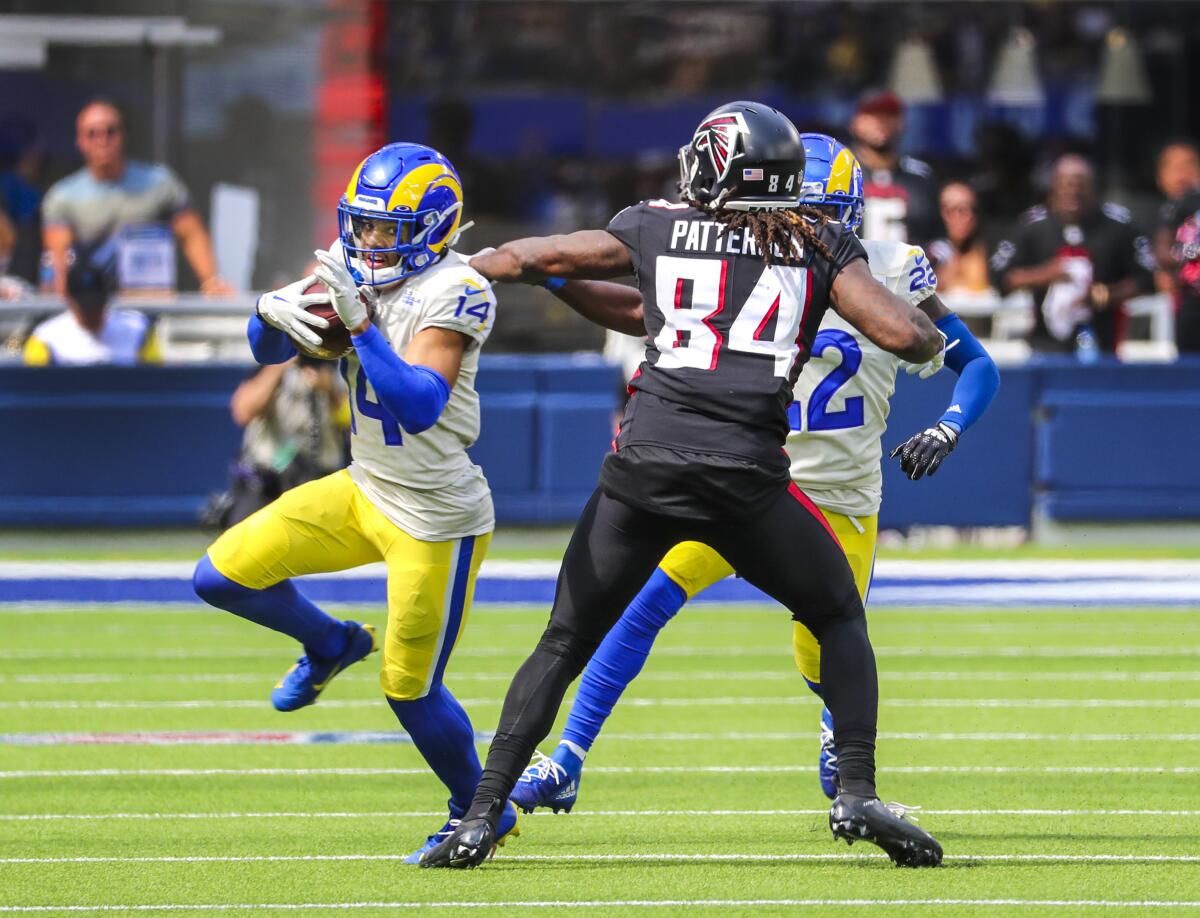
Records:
x=695, y=566
x=328, y=525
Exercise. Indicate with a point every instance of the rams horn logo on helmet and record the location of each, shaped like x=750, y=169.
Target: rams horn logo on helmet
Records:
x=719, y=137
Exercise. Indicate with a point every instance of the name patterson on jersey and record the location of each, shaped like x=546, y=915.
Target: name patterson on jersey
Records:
x=709, y=237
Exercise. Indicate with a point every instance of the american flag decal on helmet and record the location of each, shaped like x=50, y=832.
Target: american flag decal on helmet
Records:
x=719, y=137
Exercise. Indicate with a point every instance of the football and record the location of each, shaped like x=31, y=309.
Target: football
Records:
x=335, y=340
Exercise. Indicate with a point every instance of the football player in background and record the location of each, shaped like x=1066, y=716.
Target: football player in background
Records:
x=835, y=458
x=735, y=280
x=418, y=315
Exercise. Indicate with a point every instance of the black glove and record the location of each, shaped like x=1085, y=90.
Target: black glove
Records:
x=922, y=453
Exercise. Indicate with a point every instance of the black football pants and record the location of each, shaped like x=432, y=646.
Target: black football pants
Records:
x=787, y=551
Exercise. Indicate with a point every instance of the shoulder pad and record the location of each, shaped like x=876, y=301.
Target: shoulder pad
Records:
x=1034, y=214
x=450, y=274
x=1116, y=212
x=885, y=257
x=916, y=166
x=664, y=204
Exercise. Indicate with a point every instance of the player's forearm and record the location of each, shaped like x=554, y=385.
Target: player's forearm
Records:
x=588, y=254
x=414, y=395
x=609, y=305
x=268, y=344
x=978, y=377
x=887, y=320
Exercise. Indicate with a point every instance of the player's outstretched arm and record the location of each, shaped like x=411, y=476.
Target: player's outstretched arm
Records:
x=586, y=255
x=978, y=381
x=889, y=321
x=608, y=305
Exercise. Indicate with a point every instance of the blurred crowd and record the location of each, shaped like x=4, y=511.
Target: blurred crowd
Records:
x=1082, y=215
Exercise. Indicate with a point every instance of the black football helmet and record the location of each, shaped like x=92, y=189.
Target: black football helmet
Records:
x=750, y=153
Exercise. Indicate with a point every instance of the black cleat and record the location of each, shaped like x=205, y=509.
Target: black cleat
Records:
x=869, y=819
x=472, y=843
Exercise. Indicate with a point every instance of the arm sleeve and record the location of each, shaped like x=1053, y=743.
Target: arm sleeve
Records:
x=267, y=343
x=978, y=378
x=415, y=396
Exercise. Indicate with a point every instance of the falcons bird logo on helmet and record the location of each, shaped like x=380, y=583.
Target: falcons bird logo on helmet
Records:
x=718, y=136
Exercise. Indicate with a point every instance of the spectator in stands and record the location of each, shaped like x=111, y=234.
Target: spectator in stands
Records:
x=1080, y=259
x=961, y=256
x=138, y=204
x=88, y=332
x=295, y=415
x=21, y=160
x=1178, y=246
x=900, y=192
x=1177, y=175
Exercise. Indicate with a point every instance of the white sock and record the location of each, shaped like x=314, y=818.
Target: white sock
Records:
x=575, y=748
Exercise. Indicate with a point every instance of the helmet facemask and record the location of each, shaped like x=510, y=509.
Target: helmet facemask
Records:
x=382, y=248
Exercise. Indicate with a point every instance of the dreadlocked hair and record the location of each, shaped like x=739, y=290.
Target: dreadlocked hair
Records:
x=773, y=230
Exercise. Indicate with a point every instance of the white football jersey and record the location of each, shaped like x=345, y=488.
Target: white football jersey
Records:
x=841, y=398
x=425, y=483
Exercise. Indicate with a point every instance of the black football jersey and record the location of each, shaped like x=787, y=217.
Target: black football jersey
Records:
x=1106, y=240
x=727, y=335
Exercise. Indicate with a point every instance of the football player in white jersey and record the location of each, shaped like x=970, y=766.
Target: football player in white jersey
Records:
x=837, y=418
x=418, y=316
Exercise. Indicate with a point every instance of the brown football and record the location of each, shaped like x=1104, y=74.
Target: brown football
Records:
x=335, y=340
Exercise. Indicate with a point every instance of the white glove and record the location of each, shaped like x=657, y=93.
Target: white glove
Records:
x=931, y=366
x=285, y=309
x=343, y=292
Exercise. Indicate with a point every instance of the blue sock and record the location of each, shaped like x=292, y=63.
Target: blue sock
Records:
x=568, y=758
x=621, y=656
x=442, y=733
x=279, y=607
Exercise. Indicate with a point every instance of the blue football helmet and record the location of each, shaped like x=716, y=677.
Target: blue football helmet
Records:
x=399, y=214
x=833, y=179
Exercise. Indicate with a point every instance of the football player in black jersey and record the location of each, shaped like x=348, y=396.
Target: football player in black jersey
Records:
x=735, y=281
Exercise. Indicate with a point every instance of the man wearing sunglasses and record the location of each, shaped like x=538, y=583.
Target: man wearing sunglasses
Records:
x=139, y=205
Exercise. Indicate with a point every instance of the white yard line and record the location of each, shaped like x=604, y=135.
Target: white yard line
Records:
x=603, y=814
x=611, y=770
x=781, y=650
x=367, y=737
x=608, y=858
x=726, y=701
x=1039, y=677
x=885, y=569
x=612, y=903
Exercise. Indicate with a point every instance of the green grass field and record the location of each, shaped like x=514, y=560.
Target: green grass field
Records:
x=1054, y=753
